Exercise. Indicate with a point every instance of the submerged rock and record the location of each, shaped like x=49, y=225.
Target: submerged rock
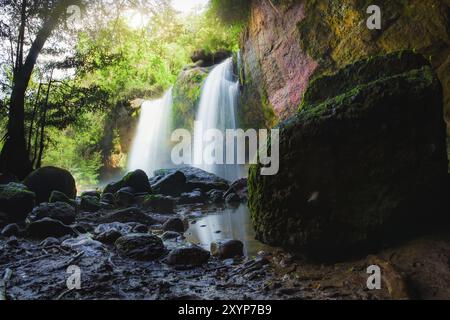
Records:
x=60, y=211
x=140, y=246
x=363, y=161
x=45, y=180
x=16, y=202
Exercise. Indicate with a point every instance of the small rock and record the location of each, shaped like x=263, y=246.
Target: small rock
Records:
x=188, y=256
x=108, y=237
x=90, y=204
x=174, y=224
x=140, y=228
x=12, y=241
x=58, y=196
x=48, y=228
x=145, y=247
x=227, y=249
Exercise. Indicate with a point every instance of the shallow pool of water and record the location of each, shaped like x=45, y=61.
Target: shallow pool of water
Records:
x=228, y=223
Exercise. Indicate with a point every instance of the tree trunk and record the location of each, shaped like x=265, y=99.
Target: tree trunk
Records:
x=14, y=157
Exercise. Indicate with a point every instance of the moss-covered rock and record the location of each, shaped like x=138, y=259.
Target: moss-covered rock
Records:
x=186, y=96
x=16, y=202
x=45, y=180
x=363, y=162
x=137, y=180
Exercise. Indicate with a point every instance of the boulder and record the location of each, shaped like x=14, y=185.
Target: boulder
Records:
x=16, y=202
x=216, y=196
x=92, y=193
x=45, y=180
x=60, y=211
x=363, y=161
x=48, y=228
x=57, y=196
x=188, y=256
x=173, y=184
x=174, y=224
x=145, y=247
x=108, y=237
x=125, y=196
x=138, y=180
x=232, y=198
x=227, y=249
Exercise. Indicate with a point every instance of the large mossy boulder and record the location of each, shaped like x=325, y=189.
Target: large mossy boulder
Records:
x=16, y=202
x=363, y=161
x=45, y=180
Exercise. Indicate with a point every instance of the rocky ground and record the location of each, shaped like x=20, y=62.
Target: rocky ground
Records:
x=130, y=246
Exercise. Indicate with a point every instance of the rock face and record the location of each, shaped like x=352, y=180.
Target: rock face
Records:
x=291, y=42
x=140, y=246
x=364, y=159
x=16, y=202
x=48, y=179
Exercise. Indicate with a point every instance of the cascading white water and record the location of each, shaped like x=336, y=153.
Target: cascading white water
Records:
x=217, y=110
x=150, y=150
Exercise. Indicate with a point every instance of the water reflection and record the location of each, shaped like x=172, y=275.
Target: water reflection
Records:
x=226, y=224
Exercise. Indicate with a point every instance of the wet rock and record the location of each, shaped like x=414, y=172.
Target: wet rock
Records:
x=233, y=198
x=108, y=237
x=140, y=228
x=216, y=196
x=171, y=235
x=128, y=215
x=89, y=247
x=92, y=193
x=108, y=198
x=11, y=230
x=45, y=180
x=227, y=249
x=206, y=59
x=339, y=188
x=138, y=180
x=159, y=204
x=174, y=224
x=16, y=202
x=90, y=204
x=50, y=242
x=60, y=211
x=144, y=247
x=58, y=196
x=123, y=228
x=205, y=186
x=188, y=256
x=173, y=184
x=48, y=228
x=125, y=196
x=196, y=196
x=12, y=241
x=239, y=187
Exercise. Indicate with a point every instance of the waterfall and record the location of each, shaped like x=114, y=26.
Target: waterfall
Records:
x=150, y=150
x=217, y=110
